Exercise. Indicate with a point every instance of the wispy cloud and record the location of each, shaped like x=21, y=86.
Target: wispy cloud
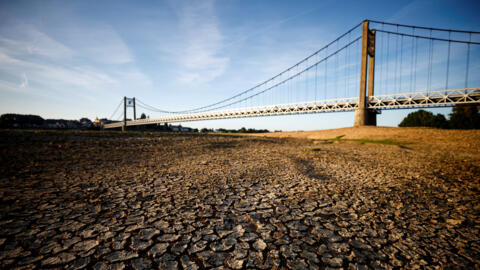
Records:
x=24, y=83
x=199, y=46
x=260, y=31
x=98, y=62
x=100, y=43
x=26, y=41
x=413, y=7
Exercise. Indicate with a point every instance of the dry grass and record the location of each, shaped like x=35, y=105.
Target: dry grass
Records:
x=464, y=141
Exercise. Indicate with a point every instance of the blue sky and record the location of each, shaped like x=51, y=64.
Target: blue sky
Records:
x=73, y=59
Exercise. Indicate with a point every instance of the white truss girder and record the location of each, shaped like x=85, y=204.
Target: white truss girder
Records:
x=439, y=98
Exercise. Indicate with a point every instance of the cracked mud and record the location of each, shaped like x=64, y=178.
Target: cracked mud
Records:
x=141, y=201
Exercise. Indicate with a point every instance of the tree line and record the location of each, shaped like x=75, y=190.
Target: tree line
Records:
x=463, y=116
x=241, y=130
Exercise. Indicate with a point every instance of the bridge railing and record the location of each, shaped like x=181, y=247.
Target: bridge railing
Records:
x=438, y=98
x=330, y=105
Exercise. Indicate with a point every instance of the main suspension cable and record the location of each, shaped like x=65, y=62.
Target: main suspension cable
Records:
x=264, y=82
x=115, y=111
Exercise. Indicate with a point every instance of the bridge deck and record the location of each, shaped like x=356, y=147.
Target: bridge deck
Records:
x=440, y=98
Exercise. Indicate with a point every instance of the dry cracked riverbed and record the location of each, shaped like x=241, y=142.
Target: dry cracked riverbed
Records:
x=142, y=201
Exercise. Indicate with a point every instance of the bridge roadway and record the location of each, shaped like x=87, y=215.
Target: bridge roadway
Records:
x=439, y=98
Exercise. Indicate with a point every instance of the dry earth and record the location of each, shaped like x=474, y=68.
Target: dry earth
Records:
x=175, y=201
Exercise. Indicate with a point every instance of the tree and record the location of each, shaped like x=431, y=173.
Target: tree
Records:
x=143, y=116
x=465, y=116
x=422, y=118
x=11, y=120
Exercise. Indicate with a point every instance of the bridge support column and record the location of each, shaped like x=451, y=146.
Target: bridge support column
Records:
x=124, y=125
x=364, y=116
x=134, y=109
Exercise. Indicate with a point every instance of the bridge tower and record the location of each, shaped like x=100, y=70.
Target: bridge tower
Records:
x=364, y=116
x=128, y=102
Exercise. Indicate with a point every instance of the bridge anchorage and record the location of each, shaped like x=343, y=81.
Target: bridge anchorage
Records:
x=401, y=66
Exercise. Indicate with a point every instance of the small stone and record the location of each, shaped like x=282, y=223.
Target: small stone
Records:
x=141, y=264
x=259, y=245
x=234, y=263
x=178, y=248
x=254, y=259
x=297, y=264
x=198, y=246
x=140, y=245
x=188, y=264
x=333, y=262
x=217, y=258
x=158, y=250
x=310, y=256
x=454, y=222
x=241, y=250
x=167, y=262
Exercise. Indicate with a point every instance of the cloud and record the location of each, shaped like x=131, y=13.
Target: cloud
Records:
x=26, y=40
x=100, y=43
x=53, y=75
x=198, y=49
x=24, y=83
x=414, y=7
x=100, y=65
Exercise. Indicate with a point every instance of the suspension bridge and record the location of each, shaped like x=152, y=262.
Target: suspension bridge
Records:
x=372, y=67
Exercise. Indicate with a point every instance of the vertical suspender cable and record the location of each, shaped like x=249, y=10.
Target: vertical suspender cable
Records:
x=448, y=60
x=359, y=46
x=387, y=75
x=316, y=68
x=381, y=55
x=396, y=63
x=415, y=67
x=401, y=64
x=297, y=90
x=430, y=52
x=345, y=72
x=306, y=83
x=326, y=75
x=336, y=73
x=350, y=78
x=468, y=61
x=289, y=89
x=411, y=60
x=264, y=96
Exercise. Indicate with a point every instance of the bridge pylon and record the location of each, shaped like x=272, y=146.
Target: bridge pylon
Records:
x=128, y=102
x=363, y=115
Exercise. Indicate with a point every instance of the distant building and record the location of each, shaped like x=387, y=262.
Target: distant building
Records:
x=179, y=128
